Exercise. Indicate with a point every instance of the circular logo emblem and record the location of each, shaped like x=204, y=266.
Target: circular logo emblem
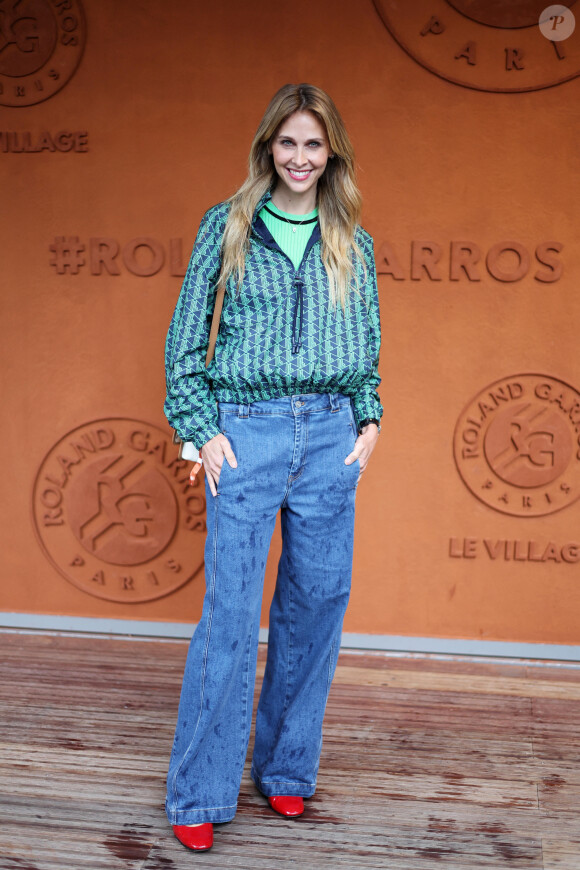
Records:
x=115, y=513
x=517, y=445
x=41, y=44
x=488, y=46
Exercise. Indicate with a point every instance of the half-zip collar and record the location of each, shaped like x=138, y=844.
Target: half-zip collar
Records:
x=260, y=228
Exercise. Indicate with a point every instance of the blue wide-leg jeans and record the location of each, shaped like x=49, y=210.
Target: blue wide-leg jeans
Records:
x=290, y=453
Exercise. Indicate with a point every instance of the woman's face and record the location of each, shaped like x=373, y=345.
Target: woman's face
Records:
x=300, y=151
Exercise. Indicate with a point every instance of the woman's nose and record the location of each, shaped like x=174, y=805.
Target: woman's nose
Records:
x=300, y=156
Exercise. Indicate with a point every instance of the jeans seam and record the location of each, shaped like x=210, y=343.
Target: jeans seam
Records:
x=290, y=633
x=245, y=693
x=287, y=693
x=204, y=660
x=300, y=472
x=283, y=782
x=329, y=675
x=288, y=660
x=291, y=413
x=302, y=468
x=292, y=477
x=203, y=809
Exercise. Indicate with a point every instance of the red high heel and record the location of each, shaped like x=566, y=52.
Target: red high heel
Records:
x=287, y=804
x=200, y=837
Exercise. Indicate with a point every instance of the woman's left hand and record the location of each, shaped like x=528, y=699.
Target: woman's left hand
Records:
x=364, y=446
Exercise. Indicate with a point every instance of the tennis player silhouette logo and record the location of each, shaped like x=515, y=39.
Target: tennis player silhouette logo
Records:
x=528, y=445
x=115, y=513
x=122, y=511
x=517, y=445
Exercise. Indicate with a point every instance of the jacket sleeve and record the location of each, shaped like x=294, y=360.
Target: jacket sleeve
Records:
x=366, y=401
x=189, y=405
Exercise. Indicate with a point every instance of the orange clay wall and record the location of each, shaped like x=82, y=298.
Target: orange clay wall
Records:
x=121, y=123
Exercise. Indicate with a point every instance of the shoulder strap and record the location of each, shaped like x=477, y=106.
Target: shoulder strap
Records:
x=215, y=324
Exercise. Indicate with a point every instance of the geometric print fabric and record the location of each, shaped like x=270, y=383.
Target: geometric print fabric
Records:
x=278, y=334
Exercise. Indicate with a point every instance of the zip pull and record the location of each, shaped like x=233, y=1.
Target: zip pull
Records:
x=299, y=304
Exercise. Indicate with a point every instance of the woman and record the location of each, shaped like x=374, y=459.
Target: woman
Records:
x=286, y=416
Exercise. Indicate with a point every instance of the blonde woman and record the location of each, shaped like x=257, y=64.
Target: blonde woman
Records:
x=286, y=417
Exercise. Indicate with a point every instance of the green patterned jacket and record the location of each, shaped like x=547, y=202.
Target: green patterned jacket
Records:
x=278, y=336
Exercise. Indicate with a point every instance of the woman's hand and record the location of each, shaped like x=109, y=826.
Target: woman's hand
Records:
x=213, y=454
x=364, y=446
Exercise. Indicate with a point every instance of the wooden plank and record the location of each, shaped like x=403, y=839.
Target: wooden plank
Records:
x=561, y=854
x=426, y=764
x=465, y=683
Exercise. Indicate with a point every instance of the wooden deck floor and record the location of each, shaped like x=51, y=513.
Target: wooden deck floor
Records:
x=427, y=765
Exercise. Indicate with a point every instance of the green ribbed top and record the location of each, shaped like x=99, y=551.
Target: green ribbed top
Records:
x=292, y=233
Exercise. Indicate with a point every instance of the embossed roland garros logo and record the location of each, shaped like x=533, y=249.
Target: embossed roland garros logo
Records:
x=489, y=46
x=517, y=445
x=41, y=45
x=115, y=514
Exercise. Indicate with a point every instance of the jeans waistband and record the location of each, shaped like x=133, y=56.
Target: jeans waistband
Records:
x=301, y=403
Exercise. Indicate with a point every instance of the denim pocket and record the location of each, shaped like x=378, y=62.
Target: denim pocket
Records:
x=226, y=422
x=353, y=430
x=224, y=418
x=352, y=420
x=356, y=466
x=221, y=481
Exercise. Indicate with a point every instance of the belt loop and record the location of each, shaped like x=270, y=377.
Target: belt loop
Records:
x=334, y=406
x=244, y=409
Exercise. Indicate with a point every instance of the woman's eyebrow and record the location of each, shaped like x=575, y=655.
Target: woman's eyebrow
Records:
x=311, y=139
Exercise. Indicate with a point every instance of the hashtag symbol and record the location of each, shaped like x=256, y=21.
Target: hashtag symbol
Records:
x=67, y=254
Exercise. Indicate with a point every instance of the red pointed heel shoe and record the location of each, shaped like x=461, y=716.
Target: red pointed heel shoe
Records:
x=198, y=837
x=287, y=805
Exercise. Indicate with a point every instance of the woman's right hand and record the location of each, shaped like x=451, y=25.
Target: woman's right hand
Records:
x=213, y=453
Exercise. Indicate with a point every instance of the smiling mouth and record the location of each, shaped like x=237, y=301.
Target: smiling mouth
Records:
x=299, y=175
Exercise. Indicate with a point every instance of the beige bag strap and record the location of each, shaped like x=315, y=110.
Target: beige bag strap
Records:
x=215, y=325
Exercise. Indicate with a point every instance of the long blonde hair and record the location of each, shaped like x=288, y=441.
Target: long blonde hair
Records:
x=338, y=197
